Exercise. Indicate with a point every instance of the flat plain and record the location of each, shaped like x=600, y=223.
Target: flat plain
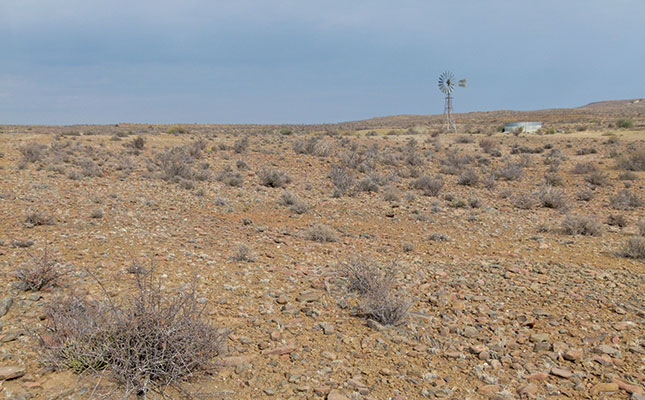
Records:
x=365, y=260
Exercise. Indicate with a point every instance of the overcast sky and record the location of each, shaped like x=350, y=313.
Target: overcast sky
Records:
x=301, y=61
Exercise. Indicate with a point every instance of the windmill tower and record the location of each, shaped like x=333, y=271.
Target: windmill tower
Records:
x=447, y=85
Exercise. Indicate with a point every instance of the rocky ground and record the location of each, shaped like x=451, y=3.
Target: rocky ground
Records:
x=505, y=301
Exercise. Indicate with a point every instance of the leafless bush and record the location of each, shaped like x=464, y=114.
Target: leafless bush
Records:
x=391, y=194
x=385, y=306
x=195, y=149
x=454, y=162
x=41, y=273
x=138, y=143
x=585, y=195
x=625, y=199
x=468, y=178
x=525, y=201
x=464, y=139
x=634, y=248
x=641, y=227
x=581, y=225
x=321, y=233
x=147, y=342
x=175, y=163
x=273, y=178
x=293, y=202
x=229, y=177
x=96, y=213
x=509, y=172
x=429, y=186
x=633, y=160
x=487, y=145
x=551, y=197
x=364, y=278
x=37, y=219
x=367, y=184
x=33, y=152
x=597, y=178
x=584, y=168
x=628, y=176
x=617, y=220
x=553, y=180
x=241, y=145
x=342, y=180
x=243, y=253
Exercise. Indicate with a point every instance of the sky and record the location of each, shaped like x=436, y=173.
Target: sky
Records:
x=301, y=61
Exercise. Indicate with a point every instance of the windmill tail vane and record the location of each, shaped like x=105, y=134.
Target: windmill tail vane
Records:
x=447, y=85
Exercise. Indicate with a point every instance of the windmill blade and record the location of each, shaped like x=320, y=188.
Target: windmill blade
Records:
x=446, y=82
x=462, y=83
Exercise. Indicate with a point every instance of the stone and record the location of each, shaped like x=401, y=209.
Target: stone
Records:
x=529, y=390
x=489, y=390
x=336, y=395
x=539, y=337
x=282, y=350
x=308, y=296
x=232, y=361
x=275, y=336
x=573, y=355
x=328, y=355
x=604, y=388
x=537, y=376
x=628, y=387
x=561, y=372
x=469, y=332
x=11, y=372
x=606, y=349
x=5, y=305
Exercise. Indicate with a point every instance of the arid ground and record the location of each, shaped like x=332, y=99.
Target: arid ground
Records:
x=364, y=260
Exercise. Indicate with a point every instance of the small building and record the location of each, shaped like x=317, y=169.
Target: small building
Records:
x=524, y=126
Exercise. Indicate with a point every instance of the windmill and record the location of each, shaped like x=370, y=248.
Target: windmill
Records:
x=447, y=85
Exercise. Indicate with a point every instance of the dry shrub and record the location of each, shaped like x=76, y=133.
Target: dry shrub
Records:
x=625, y=199
x=367, y=184
x=617, y=220
x=37, y=219
x=322, y=233
x=551, y=197
x=229, y=177
x=468, y=178
x=243, y=253
x=429, y=186
x=597, y=178
x=487, y=145
x=33, y=152
x=380, y=300
x=274, y=178
x=365, y=277
x=175, y=163
x=391, y=194
x=581, y=225
x=641, y=227
x=41, y=273
x=294, y=203
x=509, y=172
x=634, y=248
x=585, y=195
x=342, y=180
x=584, y=168
x=241, y=145
x=147, y=342
x=633, y=160
x=525, y=201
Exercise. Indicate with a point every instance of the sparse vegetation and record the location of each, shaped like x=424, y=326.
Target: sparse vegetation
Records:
x=146, y=342
x=40, y=273
x=321, y=233
x=581, y=225
x=274, y=178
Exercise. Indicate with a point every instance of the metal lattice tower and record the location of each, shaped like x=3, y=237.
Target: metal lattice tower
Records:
x=447, y=85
